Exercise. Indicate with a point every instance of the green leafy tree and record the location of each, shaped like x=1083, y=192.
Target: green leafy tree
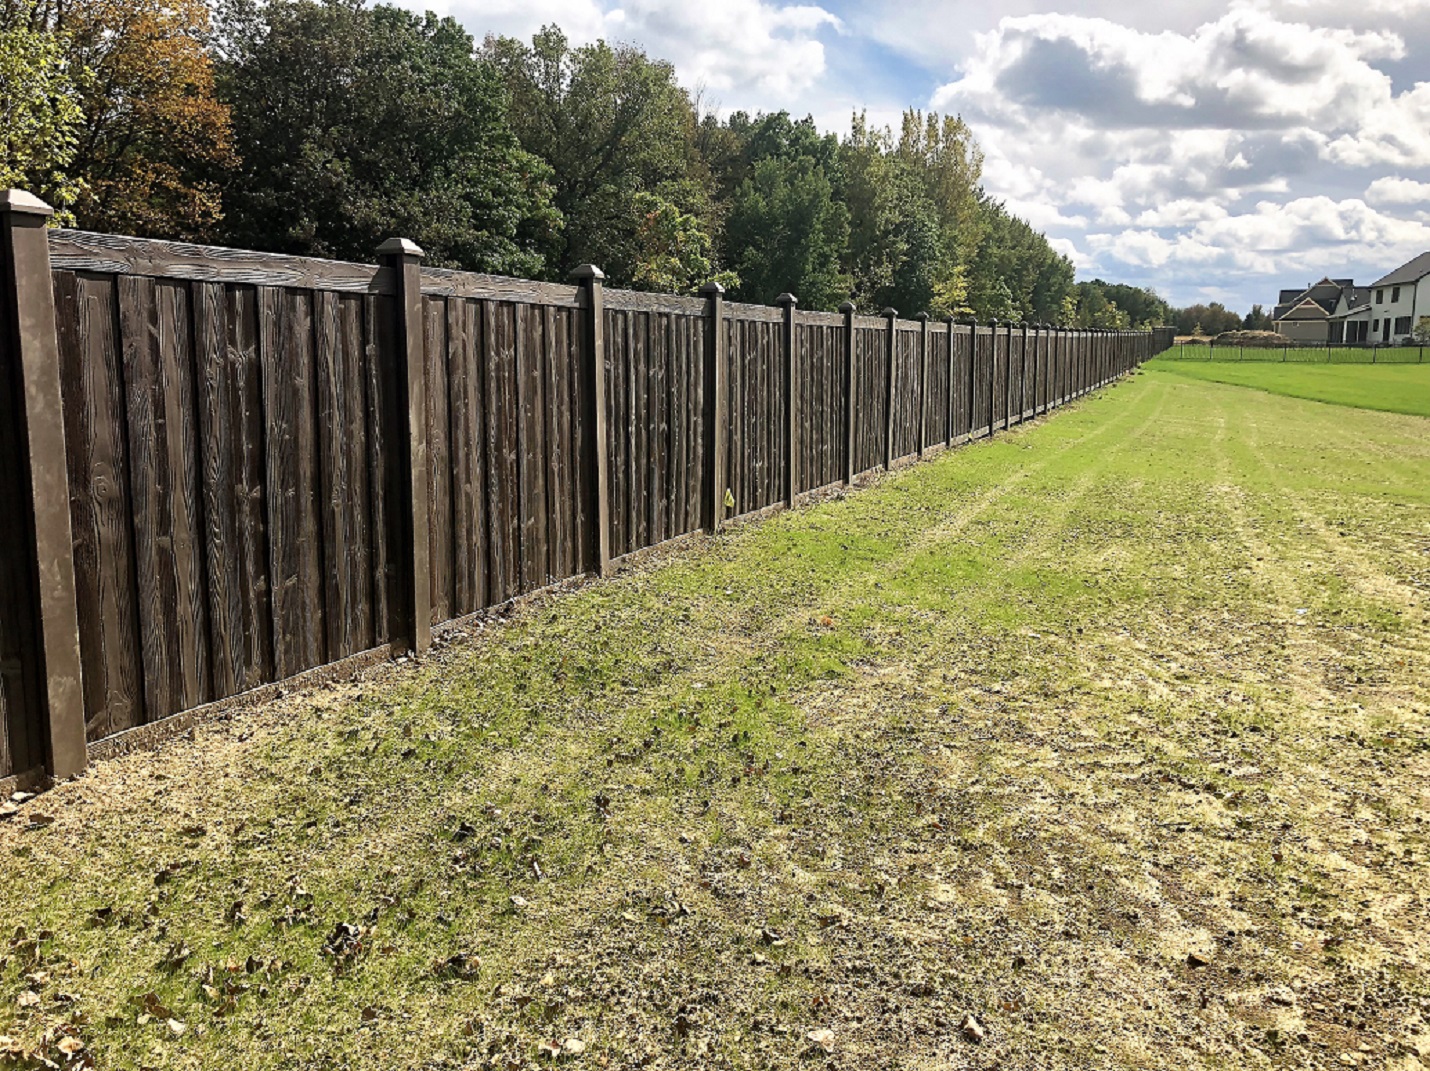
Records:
x=40, y=115
x=786, y=232
x=1014, y=257
x=895, y=237
x=356, y=124
x=1421, y=334
x=786, y=229
x=1258, y=319
x=1118, y=305
x=942, y=152
x=154, y=146
x=1210, y=319
x=673, y=252
x=613, y=125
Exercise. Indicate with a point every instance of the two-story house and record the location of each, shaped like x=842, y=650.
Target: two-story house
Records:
x=1350, y=320
x=1399, y=300
x=1305, y=315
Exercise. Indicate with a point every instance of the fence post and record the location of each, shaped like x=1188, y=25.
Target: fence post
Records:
x=413, y=604
x=847, y=308
x=714, y=408
x=1023, y=375
x=30, y=361
x=992, y=369
x=892, y=315
x=1037, y=353
x=972, y=372
x=949, y=426
x=592, y=279
x=788, y=302
x=923, y=319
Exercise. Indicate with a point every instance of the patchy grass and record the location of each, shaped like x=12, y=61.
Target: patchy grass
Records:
x=1111, y=733
x=1388, y=388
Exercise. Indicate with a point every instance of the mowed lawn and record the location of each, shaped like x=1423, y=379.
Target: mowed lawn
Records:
x=1391, y=389
x=1112, y=734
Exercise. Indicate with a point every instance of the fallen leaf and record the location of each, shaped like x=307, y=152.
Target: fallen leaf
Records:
x=822, y=1038
x=70, y=1045
x=573, y=1046
x=28, y=999
x=972, y=1029
x=177, y=1028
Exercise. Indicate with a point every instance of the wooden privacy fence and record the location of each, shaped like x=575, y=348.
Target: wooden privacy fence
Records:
x=226, y=468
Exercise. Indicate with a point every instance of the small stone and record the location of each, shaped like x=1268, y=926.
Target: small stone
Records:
x=972, y=1029
x=1194, y=960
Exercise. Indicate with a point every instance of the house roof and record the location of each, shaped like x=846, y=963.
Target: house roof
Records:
x=1326, y=295
x=1307, y=310
x=1411, y=271
x=1353, y=299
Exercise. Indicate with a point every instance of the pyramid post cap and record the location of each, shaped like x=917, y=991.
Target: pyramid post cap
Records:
x=23, y=203
x=402, y=247
x=786, y=299
x=588, y=271
x=712, y=288
x=847, y=307
x=890, y=312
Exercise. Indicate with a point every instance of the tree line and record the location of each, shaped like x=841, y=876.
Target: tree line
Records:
x=322, y=127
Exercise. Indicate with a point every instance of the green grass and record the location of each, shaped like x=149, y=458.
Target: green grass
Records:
x=1194, y=351
x=1389, y=388
x=1010, y=734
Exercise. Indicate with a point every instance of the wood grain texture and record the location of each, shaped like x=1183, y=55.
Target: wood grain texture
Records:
x=343, y=448
x=163, y=448
x=764, y=314
x=443, y=412
x=441, y=282
x=670, y=304
x=467, y=456
x=96, y=434
x=113, y=255
x=381, y=346
x=531, y=351
x=235, y=506
x=294, y=473
x=503, y=473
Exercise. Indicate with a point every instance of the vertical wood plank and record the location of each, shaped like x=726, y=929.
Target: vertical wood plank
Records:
x=295, y=551
x=235, y=513
x=556, y=413
x=531, y=344
x=444, y=419
x=98, y=462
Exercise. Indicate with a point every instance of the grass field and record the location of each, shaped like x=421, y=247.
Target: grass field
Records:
x=1393, y=389
x=1112, y=733
x=1192, y=351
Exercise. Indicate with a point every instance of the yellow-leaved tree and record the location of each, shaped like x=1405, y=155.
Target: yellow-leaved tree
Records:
x=153, y=143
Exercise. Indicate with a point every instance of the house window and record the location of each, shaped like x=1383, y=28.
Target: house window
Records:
x=1375, y=325
x=1380, y=297
x=1395, y=295
x=1402, y=325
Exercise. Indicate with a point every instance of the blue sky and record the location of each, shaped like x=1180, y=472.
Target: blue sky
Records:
x=1212, y=151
